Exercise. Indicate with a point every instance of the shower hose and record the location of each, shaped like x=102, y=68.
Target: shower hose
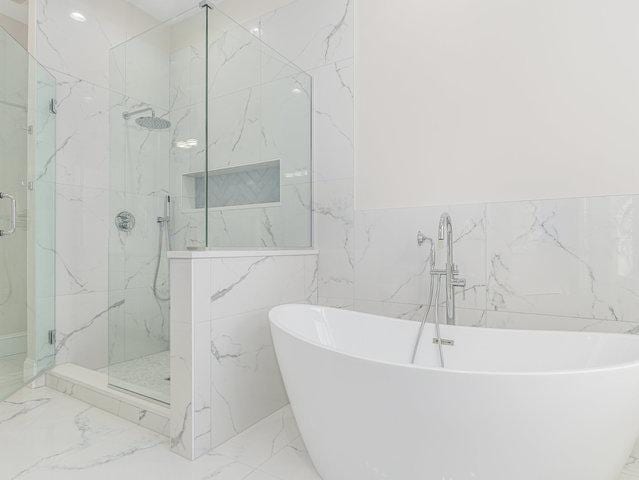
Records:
x=164, y=230
x=423, y=322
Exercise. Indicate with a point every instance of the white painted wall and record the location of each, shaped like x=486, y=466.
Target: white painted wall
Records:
x=462, y=102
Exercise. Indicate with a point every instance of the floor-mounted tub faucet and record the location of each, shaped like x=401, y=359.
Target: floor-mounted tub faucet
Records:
x=453, y=280
x=450, y=271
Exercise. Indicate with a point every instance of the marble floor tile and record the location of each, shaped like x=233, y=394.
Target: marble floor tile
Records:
x=46, y=435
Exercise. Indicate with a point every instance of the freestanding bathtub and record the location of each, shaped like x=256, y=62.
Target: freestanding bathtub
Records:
x=510, y=405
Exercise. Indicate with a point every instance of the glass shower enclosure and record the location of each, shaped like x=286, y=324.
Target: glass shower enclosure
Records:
x=210, y=148
x=27, y=217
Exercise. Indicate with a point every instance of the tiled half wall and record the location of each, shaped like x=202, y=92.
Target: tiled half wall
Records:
x=224, y=374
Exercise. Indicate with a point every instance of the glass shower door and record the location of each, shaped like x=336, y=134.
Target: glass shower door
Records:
x=27, y=217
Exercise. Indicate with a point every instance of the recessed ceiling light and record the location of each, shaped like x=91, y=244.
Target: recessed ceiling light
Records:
x=256, y=31
x=296, y=91
x=78, y=17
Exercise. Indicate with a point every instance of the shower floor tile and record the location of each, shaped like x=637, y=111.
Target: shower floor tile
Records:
x=47, y=435
x=148, y=376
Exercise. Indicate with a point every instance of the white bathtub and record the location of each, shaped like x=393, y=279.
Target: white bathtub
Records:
x=510, y=405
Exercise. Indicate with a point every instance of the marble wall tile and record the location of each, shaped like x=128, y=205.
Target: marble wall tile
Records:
x=81, y=239
x=246, y=383
x=571, y=257
x=182, y=387
x=563, y=264
x=203, y=402
x=311, y=276
x=82, y=138
x=146, y=322
x=81, y=323
x=245, y=284
x=391, y=267
x=334, y=236
x=286, y=126
x=235, y=58
x=333, y=121
x=190, y=357
x=310, y=33
x=82, y=49
x=187, y=75
x=235, y=128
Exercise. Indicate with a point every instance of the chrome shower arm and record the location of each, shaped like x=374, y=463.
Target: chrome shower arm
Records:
x=128, y=115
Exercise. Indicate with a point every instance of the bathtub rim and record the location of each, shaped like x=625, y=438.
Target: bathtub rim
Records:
x=581, y=371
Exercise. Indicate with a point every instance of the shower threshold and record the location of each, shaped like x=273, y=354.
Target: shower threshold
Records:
x=92, y=387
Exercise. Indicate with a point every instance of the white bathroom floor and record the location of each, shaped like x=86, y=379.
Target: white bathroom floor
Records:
x=46, y=435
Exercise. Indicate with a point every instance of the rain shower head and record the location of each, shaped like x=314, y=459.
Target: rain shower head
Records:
x=149, y=122
x=153, y=123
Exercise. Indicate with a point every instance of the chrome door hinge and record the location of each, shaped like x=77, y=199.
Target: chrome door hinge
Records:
x=51, y=337
x=53, y=106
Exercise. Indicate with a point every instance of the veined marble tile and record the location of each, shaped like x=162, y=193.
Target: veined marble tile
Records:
x=334, y=237
x=63, y=438
x=82, y=132
x=236, y=133
x=146, y=323
x=246, y=384
x=333, y=121
x=81, y=323
x=242, y=285
x=235, y=58
x=49, y=436
x=182, y=390
x=81, y=240
x=571, y=257
x=391, y=267
x=292, y=461
x=285, y=122
x=81, y=48
x=309, y=33
x=187, y=74
x=259, y=443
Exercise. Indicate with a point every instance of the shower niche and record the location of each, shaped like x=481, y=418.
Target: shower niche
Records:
x=244, y=186
x=210, y=148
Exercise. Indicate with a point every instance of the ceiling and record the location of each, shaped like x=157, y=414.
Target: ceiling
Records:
x=163, y=9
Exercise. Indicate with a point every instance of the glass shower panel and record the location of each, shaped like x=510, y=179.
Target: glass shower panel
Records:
x=27, y=217
x=42, y=219
x=157, y=125
x=260, y=172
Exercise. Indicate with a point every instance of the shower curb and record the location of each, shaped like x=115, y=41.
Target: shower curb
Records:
x=92, y=387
